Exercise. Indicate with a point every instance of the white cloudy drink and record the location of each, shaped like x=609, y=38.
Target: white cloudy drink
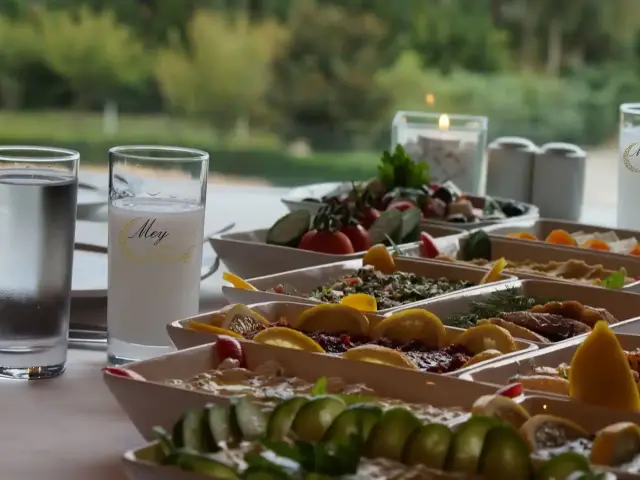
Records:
x=155, y=258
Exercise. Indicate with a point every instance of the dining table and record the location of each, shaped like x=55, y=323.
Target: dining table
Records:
x=70, y=427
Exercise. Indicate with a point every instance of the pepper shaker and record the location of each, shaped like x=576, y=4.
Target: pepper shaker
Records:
x=558, y=181
x=510, y=168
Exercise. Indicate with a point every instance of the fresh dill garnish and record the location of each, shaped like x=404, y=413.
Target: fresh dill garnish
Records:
x=504, y=301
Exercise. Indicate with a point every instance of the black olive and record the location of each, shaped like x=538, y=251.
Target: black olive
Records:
x=443, y=194
x=513, y=209
x=457, y=218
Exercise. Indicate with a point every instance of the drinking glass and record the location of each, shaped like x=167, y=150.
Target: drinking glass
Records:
x=38, y=202
x=157, y=199
x=629, y=166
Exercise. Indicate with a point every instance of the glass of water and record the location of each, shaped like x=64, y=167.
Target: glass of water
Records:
x=157, y=199
x=38, y=201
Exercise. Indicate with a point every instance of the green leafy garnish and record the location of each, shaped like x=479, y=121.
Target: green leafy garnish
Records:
x=615, y=280
x=320, y=387
x=397, y=169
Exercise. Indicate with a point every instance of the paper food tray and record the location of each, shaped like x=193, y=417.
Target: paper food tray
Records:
x=499, y=372
x=543, y=252
x=304, y=280
x=150, y=402
x=542, y=227
x=625, y=306
x=184, y=338
x=142, y=463
x=532, y=213
x=248, y=255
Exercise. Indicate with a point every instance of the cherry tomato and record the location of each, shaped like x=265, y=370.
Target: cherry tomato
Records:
x=511, y=391
x=428, y=247
x=123, y=372
x=228, y=347
x=325, y=241
x=358, y=236
x=367, y=216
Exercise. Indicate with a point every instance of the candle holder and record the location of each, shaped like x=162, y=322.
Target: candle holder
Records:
x=453, y=145
x=629, y=166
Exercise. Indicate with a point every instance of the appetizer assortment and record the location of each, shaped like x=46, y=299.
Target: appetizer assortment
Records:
x=604, y=241
x=329, y=437
x=529, y=318
x=402, y=184
x=476, y=250
x=414, y=338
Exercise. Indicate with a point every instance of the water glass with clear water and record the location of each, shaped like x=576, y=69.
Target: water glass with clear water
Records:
x=38, y=202
x=157, y=199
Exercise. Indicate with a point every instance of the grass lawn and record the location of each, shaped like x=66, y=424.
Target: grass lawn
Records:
x=256, y=156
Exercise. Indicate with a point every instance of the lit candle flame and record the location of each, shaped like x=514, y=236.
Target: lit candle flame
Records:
x=430, y=98
x=443, y=122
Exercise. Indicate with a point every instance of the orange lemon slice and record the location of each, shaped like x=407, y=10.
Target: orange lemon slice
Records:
x=616, y=444
x=288, y=338
x=540, y=429
x=333, y=318
x=522, y=235
x=413, y=324
x=360, y=301
x=561, y=237
x=237, y=282
x=482, y=356
x=494, y=274
x=241, y=319
x=503, y=408
x=203, y=327
x=487, y=337
x=380, y=259
x=380, y=355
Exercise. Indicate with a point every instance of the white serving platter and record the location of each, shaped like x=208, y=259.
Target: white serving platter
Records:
x=624, y=306
x=248, y=255
x=304, y=280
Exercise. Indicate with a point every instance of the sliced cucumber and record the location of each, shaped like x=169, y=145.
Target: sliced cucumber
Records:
x=476, y=245
x=251, y=421
x=389, y=224
x=358, y=419
x=505, y=454
x=288, y=230
x=563, y=466
x=410, y=231
x=466, y=445
x=428, y=446
x=188, y=432
x=204, y=465
x=315, y=417
x=221, y=423
x=389, y=436
x=281, y=419
x=165, y=443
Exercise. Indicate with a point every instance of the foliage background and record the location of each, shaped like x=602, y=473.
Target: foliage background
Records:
x=298, y=90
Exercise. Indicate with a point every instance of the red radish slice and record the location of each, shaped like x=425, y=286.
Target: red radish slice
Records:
x=123, y=372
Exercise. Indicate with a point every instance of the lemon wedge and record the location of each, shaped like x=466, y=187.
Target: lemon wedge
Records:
x=412, y=324
x=380, y=259
x=203, y=327
x=501, y=407
x=241, y=319
x=333, y=318
x=380, y=355
x=494, y=274
x=616, y=444
x=482, y=356
x=237, y=282
x=600, y=373
x=360, y=301
x=288, y=338
x=487, y=337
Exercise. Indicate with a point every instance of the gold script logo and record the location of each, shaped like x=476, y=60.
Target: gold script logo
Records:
x=631, y=156
x=140, y=229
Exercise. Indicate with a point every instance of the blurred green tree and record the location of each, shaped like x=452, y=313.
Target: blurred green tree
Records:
x=224, y=74
x=325, y=89
x=93, y=52
x=19, y=47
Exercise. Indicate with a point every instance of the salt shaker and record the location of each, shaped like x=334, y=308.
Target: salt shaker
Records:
x=510, y=168
x=558, y=180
